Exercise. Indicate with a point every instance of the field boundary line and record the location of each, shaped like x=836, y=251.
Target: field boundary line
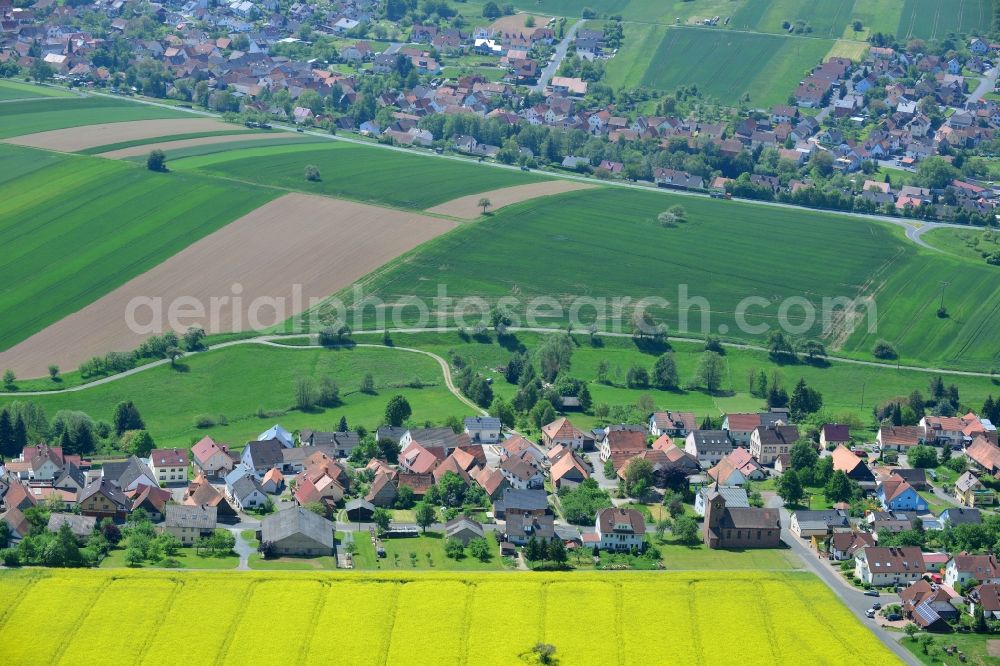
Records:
x=151, y=636
x=67, y=640
x=306, y=644
x=765, y=615
x=35, y=576
x=695, y=626
x=393, y=610
x=244, y=606
x=463, y=646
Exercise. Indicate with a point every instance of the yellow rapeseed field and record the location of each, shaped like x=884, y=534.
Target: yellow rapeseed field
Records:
x=426, y=619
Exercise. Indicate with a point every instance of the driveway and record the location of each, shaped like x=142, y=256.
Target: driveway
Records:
x=553, y=65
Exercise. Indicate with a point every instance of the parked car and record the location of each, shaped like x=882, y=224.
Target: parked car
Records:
x=871, y=593
x=876, y=606
x=894, y=617
x=869, y=613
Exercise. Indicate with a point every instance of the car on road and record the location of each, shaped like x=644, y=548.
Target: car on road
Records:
x=871, y=593
x=876, y=606
x=869, y=613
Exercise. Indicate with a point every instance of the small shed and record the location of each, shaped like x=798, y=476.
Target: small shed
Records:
x=360, y=511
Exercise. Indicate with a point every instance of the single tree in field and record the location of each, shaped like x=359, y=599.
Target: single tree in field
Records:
x=174, y=353
x=312, y=173
x=710, y=372
x=54, y=372
x=397, y=411
x=484, y=203
x=424, y=514
x=156, y=161
x=9, y=378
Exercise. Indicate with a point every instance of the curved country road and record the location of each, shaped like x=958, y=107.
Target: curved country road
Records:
x=274, y=341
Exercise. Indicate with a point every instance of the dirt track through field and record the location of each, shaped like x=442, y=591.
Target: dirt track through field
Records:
x=72, y=139
x=468, y=208
x=253, y=268
x=135, y=151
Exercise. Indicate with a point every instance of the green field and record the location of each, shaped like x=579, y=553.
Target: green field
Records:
x=81, y=226
x=16, y=90
x=364, y=173
x=727, y=252
x=96, y=150
x=723, y=64
x=234, y=383
x=827, y=18
x=250, y=142
x=935, y=19
x=75, y=617
x=49, y=114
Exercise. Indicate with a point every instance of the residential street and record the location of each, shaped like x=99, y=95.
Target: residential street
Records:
x=986, y=85
x=552, y=66
x=851, y=596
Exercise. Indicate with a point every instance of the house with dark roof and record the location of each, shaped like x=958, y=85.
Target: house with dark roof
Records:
x=674, y=424
x=519, y=528
x=987, y=597
x=805, y=524
x=169, y=465
x=464, y=529
x=842, y=546
x=190, y=523
x=889, y=566
x=708, y=446
x=521, y=474
x=382, y=492
x=738, y=527
x=768, y=442
x=296, y=531
x=261, y=455
x=128, y=474
x=521, y=501
x=927, y=603
x=202, y=493
x=834, y=433
x=963, y=567
x=483, y=429
x=339, y=444
x=102, y=498
x=954, y=516
x=359, y=510
x=734, y=496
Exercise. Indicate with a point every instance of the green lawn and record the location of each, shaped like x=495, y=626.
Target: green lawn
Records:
x=973, y=646
x=680, y=556
x=968, y=243
x=358, y=172
x=326, y=562
x=827, y=18
x=10, y=89
x=187, y=557
x=82, y=226
x=49, y=114
x=723, y=64
x=935, y=503
x=429, y=551
x=236, y=382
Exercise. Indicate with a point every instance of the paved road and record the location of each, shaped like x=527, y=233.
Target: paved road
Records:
x=986, y=85
x=851, y=596
x=553, y=65
x=242, y=548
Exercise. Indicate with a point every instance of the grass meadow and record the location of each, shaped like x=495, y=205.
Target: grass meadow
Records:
x=723, y=64
x=231, y=385
x=75, y=228
x=352, y=171
x=968, y=243
x=443, y=618
x=935, y=19
x=41, y=115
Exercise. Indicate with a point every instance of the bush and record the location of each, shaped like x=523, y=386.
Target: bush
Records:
x=312, y=173
x=883, y=349
x=156, y=161
x=203, y=421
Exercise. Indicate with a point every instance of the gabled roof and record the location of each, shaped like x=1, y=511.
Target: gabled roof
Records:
x=265, y=453
x=562, y=429
x=907, y=559
x=743, y=422
x=181, y=515
x=619, y=520
x=81, y=526
x=105, y=487
x=290, y=522
x=981, y=567
x=894, y=487
x=519, y=468
x=168, y=458
x=460, y=524
x=205, y=449
x=418, y=459
x=844, y=460
x=984, y=453
x=565, y=465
